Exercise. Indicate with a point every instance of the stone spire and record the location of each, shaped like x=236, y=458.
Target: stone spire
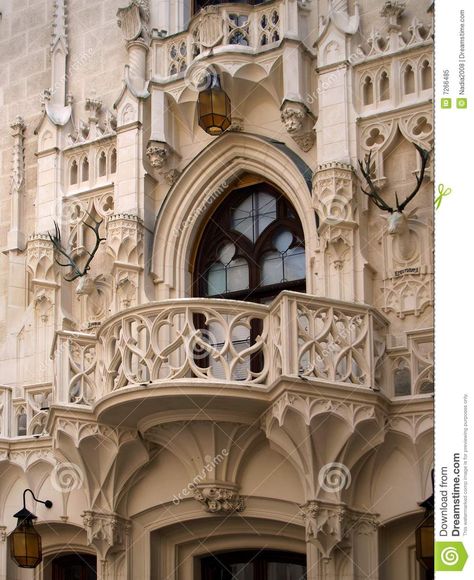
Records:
x=16, y=236
x=59, y=51
x=59, y=31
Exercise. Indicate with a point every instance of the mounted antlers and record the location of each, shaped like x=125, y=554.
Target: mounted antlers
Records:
x=373, y=191
x=76, y=271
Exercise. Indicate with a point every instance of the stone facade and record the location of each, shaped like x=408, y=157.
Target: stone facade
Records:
x=153, y=459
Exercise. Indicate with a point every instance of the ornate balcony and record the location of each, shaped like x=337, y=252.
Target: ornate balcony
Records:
x=170, y=353
x=233, y=27
x=220, y=348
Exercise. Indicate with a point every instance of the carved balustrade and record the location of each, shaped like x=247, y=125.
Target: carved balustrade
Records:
x=74, y=356
x=227, y=27
x=24, y=412
x=202, y=341
x=226, y=341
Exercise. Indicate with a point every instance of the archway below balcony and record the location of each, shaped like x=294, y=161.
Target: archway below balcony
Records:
x=201, y=187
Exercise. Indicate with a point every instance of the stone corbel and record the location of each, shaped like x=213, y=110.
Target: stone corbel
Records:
x=107, y=532
x=330, y=525
x=299, y=123
x=325, y=525
x=219, y=498
x=158, y=154
x=162, y=157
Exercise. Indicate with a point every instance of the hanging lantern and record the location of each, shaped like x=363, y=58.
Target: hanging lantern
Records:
x=214, y=108
x=25, y=542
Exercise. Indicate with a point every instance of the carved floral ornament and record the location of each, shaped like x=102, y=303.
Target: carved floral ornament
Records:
x=108, y=532
x=219, y=499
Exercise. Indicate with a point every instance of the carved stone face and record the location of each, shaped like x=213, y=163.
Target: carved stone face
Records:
x=292, y=119
x=158, y=155
x=397, y=223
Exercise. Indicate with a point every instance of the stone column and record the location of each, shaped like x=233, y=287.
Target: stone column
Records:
x=365, y=547
x=3, y=553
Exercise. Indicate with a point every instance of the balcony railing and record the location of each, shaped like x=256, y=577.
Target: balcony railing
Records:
x=208, y=341
x=233, y=26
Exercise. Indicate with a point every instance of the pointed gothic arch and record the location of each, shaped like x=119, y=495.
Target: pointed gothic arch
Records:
x=204, y=182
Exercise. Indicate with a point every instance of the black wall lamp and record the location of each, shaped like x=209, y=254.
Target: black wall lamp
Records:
x=25, y=542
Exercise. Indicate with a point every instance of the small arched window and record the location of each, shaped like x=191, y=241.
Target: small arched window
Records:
x=252, y=247
x=384, y=86
x=113, y=161
x=368, y=91
x=409, y=80
x=426, y=76
x=85, y=170
x=102, y=164
x=73, y=174
x=402, y=379
x=21, y=423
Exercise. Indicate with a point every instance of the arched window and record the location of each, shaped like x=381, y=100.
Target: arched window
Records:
x=384, y=86
x=254, y=565
x=102, y=164
x=368, y=91
x=21, y=422
x=74, y=567
x=113, y=161
x=73, y=175
x=409, y=78
x=402, y=378
x=426, y=76
x=252, y=247
x=85, y=170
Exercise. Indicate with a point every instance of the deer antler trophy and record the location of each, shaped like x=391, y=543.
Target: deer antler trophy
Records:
x=397, y=220
x=76, y=271
x=396, y=217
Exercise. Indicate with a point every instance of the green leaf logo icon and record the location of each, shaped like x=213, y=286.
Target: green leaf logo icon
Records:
x=450, y=556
